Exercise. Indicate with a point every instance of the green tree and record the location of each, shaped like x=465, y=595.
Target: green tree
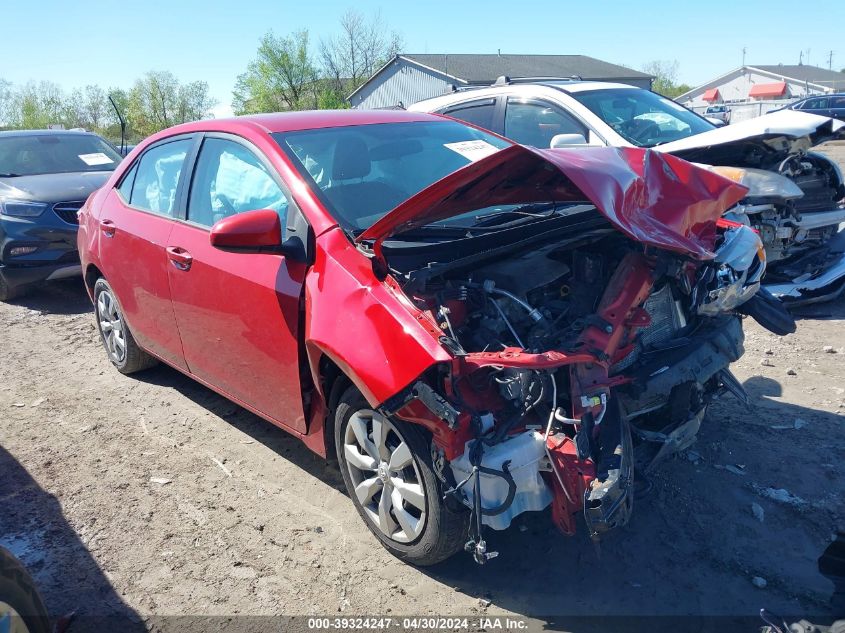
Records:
x=666, y=78
x=281, y=77
x=157, y=101
x=37, y=105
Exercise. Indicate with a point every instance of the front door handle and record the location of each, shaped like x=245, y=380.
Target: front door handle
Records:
x=179, y=257
x=107, y=227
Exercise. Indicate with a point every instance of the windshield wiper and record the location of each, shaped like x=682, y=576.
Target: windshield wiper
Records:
x=6, y=174
x=539, y=210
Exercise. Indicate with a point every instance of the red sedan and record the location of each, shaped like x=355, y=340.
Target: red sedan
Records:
x=476, y=329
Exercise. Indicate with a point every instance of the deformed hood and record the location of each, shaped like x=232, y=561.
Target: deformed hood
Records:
x=786, y=130
x=657, y=199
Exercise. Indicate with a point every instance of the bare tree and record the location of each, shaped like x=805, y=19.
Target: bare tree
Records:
x=358, y=51
x=5, y=100
x=94, y=107
x=665, y=78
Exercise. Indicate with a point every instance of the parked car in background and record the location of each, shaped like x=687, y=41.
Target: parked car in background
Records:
x=472, y=327
x=719, y=112
x=796, y=197
x=832, y=105
x=45, y=177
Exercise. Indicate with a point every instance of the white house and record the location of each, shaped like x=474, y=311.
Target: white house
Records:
x=754, y=84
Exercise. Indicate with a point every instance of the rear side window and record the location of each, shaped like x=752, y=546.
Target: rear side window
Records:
x=230, y=179
x=837, y=102
x=478, y=113
x=157, y=177
x=536, y=123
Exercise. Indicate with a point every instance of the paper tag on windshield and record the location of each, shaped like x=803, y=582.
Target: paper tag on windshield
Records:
x=472, y=150
x=95, y=159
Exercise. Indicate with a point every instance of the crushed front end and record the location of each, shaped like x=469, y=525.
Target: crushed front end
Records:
x=584, y=344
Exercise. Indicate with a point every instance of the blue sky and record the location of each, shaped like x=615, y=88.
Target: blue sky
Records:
x=110, y=43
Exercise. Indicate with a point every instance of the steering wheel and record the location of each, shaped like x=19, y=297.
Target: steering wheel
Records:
x=640, y=129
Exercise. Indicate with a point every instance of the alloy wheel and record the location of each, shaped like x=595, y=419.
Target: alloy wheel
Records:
x=385, y=476
x=111, y=326
x=10, y=620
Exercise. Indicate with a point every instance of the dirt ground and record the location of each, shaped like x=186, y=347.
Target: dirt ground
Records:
x=250, y=522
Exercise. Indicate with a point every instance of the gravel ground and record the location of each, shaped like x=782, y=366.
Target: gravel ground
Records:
x=152, y=496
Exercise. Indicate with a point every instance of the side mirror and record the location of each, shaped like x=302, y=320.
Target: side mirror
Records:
x=253, y=232
x=567, y=140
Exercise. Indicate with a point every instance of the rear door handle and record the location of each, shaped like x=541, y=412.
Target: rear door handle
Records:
x=179, y=257
x=107, y=227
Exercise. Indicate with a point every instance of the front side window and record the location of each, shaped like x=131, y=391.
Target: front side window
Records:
x=478, y=113
x=641, y=117
x=157, y=177
x=362, y=172
x=34, y=154
x=230, y=179
x=535, y=123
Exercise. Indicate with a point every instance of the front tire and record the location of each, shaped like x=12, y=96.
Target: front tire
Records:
x=21, y=607
x=120, y=345
x=386, y=466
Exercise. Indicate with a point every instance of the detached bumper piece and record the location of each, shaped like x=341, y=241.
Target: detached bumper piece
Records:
x=599, y=483
x=609, y=500
x=825, y=285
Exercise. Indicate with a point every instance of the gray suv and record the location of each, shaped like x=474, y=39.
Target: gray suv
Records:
x=45, y=177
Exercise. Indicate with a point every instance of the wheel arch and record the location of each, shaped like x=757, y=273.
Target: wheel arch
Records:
x=92, y=274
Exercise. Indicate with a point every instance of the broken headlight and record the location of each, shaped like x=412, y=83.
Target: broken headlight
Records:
x=761, y=183
x=740, y=263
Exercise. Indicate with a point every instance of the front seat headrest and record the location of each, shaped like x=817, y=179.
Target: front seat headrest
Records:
x=351, y=158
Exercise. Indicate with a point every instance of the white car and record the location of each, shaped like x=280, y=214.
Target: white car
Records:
x=796, y=197
x=721, y=113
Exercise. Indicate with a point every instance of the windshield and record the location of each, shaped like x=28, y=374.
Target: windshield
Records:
x=361, y=172
x=32, y=154
x=641, y=117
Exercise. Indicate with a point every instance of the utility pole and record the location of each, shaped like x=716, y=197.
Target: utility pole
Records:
x=830, y=60
x=801, y=58
x=743, y=55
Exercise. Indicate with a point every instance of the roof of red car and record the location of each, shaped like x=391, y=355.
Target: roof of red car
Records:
x=304, y=120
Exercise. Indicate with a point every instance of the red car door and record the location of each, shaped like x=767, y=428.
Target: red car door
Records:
x=237, y=313
x=135, y=222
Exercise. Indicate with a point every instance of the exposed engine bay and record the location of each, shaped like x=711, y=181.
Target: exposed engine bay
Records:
x=796, y=202
x=569, y=355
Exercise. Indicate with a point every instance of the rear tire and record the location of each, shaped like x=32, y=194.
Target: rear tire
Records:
x=120, y=345
x=20, y=604
x=380, y=455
